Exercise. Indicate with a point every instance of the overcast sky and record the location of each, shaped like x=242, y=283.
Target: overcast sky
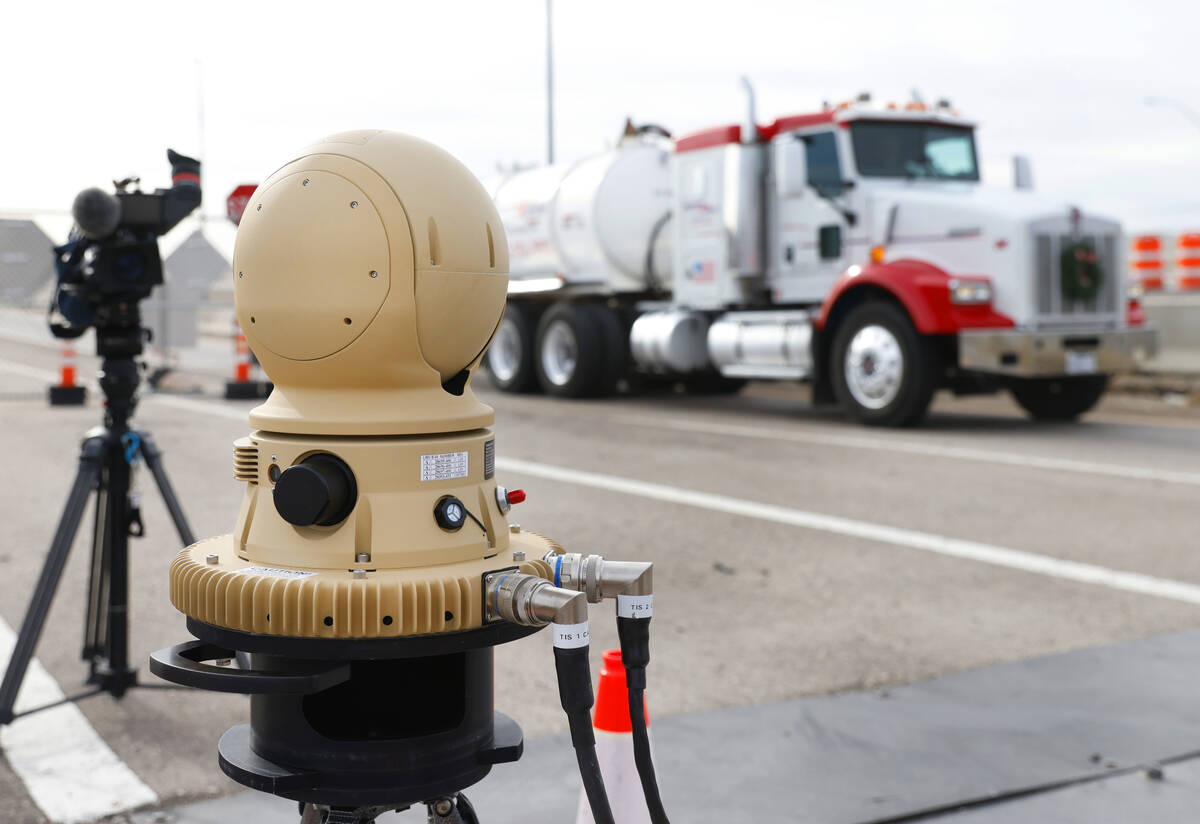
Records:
x=96, y=90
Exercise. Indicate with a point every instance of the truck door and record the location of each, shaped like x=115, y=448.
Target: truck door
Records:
x=807, y=233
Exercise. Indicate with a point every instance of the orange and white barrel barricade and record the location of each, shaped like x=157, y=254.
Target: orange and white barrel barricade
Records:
x=244, y=386
x=1146, y=261
x=1187, y=265
x=68, y=391
x=614, y=748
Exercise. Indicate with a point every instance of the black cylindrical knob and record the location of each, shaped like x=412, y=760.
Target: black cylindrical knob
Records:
x=319, y=490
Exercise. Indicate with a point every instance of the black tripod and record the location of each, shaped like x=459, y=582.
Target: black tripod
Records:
x=106, y=462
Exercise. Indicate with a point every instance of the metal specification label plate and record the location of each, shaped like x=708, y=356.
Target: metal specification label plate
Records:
x=445, y=466
x=272, y=572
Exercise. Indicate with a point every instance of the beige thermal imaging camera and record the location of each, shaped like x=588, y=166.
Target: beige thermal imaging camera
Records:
x=372, y=569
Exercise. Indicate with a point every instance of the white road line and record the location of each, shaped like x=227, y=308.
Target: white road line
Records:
x=912, y=447
x=204, y=407
x=14, y=368
x=69, y=771
x=190, y=404
x=928, y=542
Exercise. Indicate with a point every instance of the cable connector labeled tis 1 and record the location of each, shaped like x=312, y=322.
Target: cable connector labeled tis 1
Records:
x=532, y=601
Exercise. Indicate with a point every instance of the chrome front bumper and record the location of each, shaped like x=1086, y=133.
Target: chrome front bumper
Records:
x=1054, y=354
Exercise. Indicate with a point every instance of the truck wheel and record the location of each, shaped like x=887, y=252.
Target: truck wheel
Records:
x=884, y=373
x=615, y=348
x=1059, y=399
x=510, y=357
x=570, y=351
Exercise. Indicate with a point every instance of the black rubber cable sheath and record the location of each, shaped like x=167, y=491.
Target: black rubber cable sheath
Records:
x=635, y=655
x=643, y=759
x=589, y=772
x=575, y=693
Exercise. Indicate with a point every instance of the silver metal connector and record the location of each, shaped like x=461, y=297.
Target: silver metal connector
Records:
x=600, y=579
x=531, y=601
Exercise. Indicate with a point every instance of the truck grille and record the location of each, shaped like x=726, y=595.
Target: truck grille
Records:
x=1054, y=308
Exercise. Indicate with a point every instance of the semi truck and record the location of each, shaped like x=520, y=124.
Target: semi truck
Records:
x=853, y=247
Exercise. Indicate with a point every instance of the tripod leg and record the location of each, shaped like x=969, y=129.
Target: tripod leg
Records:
x=153, y=460
x=96, y=621
x=110, y=668
x=90, y=461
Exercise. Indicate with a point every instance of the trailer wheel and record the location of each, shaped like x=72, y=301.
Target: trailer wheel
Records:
x=884, y=373
x=1059, y=399
x=510, y=357
x=570, y=351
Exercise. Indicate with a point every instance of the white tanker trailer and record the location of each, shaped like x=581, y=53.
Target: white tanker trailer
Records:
x=852, y=247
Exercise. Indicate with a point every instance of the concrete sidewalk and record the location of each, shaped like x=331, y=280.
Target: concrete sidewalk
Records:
x=1069, y=738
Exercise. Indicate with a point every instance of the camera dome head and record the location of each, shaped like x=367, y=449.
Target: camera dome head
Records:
x=370, y=274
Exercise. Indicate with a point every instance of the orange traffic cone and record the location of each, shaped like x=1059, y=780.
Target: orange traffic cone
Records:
x=67, y=392
x=243, y=386
x=614, y=748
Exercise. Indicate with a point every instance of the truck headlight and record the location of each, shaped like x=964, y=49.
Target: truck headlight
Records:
x=970, y=292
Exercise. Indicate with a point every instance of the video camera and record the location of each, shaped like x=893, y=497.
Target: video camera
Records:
x=111, y=260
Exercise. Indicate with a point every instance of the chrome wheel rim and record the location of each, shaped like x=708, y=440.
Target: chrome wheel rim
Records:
x=504, y=356
x=560, y=353
x=874, y=367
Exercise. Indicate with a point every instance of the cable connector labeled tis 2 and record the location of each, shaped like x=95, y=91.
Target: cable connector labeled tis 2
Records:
x=600, y=579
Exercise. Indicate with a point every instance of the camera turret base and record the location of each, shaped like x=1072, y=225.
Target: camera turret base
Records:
x=435, y=779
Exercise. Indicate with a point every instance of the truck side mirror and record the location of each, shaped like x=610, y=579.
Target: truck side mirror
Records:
x=1022, y=172
x=791, y=168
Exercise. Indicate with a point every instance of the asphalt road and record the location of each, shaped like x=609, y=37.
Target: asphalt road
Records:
x=795, y=554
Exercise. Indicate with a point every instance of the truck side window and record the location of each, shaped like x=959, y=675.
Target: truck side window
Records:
x=824, y=171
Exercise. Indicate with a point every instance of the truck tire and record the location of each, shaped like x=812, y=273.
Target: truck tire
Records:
x=1059, y=399
x=569, y=357
x=884, y=372
x=615, y=341
x=510, y=357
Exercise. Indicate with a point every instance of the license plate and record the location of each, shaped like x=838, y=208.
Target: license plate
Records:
x=1081, y=363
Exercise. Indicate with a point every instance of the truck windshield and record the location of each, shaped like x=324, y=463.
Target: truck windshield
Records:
x=914, y=150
